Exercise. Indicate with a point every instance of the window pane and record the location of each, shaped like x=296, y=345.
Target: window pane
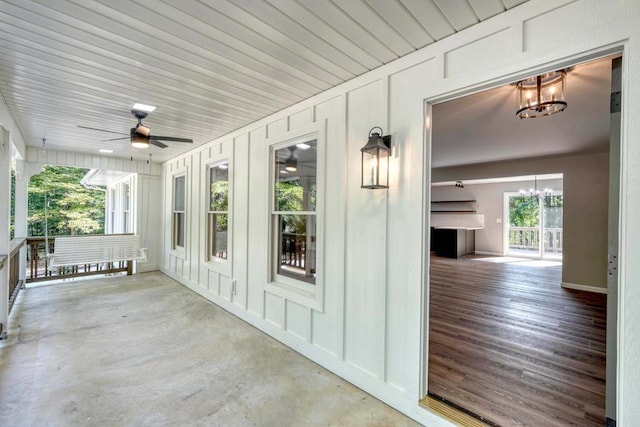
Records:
x=219, y=184
x=218, y=224
x=295, y=180
x=126, y=197
x=297, y=247
x=178, y=193
x=179, y=229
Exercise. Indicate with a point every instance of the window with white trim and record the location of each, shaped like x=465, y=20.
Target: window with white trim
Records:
x=294, y=226
x=218, y=212
x=179, y=205
x=126, y=194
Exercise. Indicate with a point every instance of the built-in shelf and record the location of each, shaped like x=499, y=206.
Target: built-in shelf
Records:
x=453, y=210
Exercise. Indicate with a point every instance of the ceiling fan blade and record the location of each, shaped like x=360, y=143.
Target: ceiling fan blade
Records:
x=171, y=138
x=157, y=143
x=101, y=130
x=115, y=139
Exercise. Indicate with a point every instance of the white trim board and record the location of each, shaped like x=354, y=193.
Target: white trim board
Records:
x=588, y=288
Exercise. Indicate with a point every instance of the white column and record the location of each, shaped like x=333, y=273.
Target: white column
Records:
x=5, y=218
x=22, y=185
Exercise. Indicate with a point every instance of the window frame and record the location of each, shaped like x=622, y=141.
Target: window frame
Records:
x=126, y=207
x=175, y=213
x=209, y=257
x=297, y=290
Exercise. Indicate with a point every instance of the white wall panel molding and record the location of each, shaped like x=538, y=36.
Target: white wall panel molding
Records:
x=91, y=161
x=371, y=331
x=491, y=50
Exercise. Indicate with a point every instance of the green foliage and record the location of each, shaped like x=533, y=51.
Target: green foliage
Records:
x=523, y=211
x=290, y=198
x=70, y=207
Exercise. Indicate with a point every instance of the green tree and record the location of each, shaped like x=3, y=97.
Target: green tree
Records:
x=70, y=207
x=523, y=211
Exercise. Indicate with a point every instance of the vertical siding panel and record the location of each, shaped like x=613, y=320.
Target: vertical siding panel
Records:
x=240, y=213
x=365, y=252
x=327, y=327
x=258, y=248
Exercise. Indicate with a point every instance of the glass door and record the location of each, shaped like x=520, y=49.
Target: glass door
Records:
x=552, y=226
x=533, y=226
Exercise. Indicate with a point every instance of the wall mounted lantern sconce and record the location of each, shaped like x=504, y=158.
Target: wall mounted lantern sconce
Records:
x=375, y=160
x=541, y=95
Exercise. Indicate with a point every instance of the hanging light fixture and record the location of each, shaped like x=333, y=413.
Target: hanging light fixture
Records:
x=139, y=141
x=140, y=137
x=541, y=95
x=534, y=192
x=375, y=160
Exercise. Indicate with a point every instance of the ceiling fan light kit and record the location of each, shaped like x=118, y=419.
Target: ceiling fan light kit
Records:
x=140, y=135
x=139, y=141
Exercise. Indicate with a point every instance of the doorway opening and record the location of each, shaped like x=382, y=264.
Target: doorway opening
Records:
x=514, y=342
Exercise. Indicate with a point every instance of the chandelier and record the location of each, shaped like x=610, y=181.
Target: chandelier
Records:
x=534, y=192
x=541, y=95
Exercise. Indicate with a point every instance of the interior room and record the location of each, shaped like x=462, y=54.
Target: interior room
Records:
x=269, y=170
x=507, y=255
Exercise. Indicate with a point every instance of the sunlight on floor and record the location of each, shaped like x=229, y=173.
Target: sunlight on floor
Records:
x=520, y=261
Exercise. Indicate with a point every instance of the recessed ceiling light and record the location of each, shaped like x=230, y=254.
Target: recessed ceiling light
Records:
x=143, y=107
x=303, y=146
x=102, y=150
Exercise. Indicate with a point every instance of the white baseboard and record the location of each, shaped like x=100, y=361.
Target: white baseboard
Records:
x=578, y=287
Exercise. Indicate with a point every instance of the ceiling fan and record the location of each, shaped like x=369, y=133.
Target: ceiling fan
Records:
x=291, y=162
x=141, y=135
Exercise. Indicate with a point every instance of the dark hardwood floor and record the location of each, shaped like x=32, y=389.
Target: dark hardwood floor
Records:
x=508, y=344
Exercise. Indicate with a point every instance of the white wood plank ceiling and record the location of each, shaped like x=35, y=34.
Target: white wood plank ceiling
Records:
x=210, y=66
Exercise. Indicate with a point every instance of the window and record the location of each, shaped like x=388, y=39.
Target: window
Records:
x=294, y=212
x=126, y=203
x=218, y=212
x=112, y=213
x=179, y=202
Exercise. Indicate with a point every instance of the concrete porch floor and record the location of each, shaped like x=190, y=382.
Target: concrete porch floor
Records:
x=143, y=350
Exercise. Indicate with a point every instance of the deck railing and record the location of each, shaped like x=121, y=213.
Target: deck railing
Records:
x=39, y=269
x=15, y=284
x=528, y=238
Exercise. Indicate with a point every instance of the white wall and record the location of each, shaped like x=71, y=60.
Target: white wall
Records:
x=370, y=329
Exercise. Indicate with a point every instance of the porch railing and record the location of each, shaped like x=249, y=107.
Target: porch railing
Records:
x=15, y=284
x=39, y=269
x=528, y=238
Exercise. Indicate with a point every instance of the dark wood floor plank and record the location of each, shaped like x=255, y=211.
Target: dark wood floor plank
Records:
x=509, y=344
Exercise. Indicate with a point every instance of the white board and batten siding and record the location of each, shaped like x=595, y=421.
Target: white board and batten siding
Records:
x=369, y=327
x=91, y=161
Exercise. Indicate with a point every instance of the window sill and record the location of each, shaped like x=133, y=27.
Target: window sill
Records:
x=222, y=266
x=179, y=252
x=311, y=299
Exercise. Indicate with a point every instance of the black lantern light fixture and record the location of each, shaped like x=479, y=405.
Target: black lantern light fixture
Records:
x=541, y=95
x=375, y=160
